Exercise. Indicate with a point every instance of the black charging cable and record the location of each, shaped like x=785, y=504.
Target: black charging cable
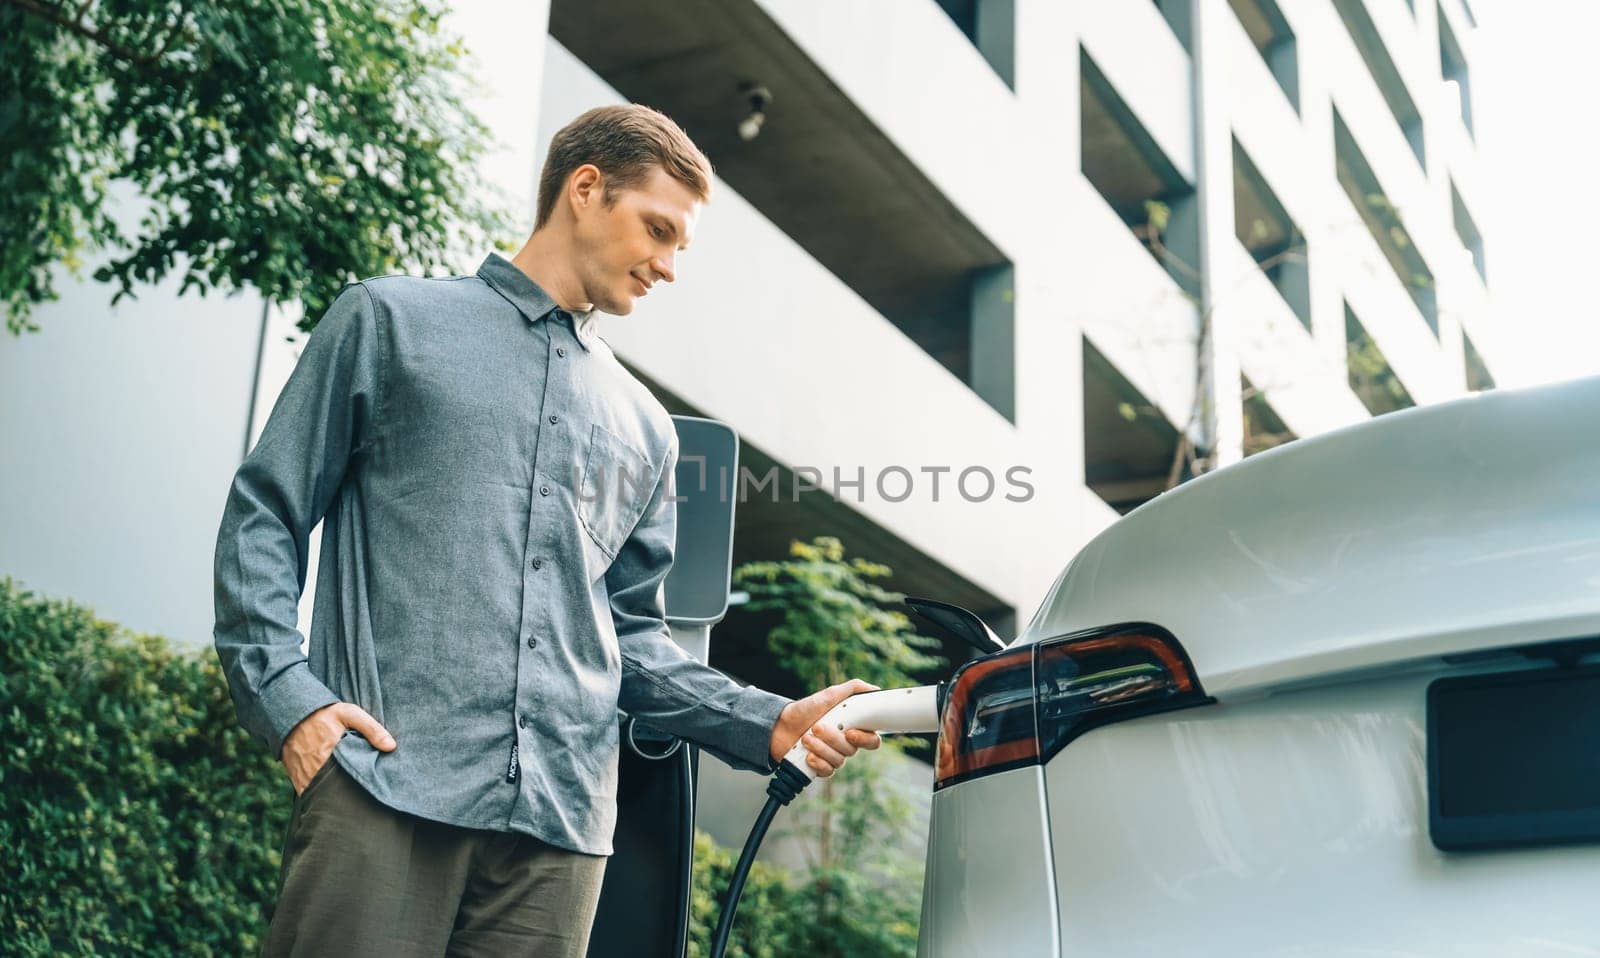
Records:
x=781, y=790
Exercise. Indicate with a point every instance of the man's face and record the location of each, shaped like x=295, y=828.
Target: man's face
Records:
x=630, y=245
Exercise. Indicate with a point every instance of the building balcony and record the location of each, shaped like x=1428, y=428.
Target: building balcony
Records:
x=857, y=162
x=863, y=51
x=1268, y=127
x=1146, y=64
x=1131, y=309
x=813, y=375
x=1302, y=384
x=1388, y=311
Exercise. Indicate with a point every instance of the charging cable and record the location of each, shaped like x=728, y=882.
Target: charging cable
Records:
x=892, y=711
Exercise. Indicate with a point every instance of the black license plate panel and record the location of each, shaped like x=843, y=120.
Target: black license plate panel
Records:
x=1514, y=759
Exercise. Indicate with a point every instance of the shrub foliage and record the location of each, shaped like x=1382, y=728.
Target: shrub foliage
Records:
x=136, y=816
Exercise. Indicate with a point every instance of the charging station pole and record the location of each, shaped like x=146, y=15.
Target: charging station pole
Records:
x=644, y=901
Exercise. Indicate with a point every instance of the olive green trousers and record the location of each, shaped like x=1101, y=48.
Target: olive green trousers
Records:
x=360, y=878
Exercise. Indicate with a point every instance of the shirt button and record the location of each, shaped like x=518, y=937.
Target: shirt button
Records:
x=522, y=720
x=544, y=490
x=537, y=563
x=554, y=420
x=561, y=351
x=533, y=643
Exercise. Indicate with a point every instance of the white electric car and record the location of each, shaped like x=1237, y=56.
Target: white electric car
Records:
x=1333, y=700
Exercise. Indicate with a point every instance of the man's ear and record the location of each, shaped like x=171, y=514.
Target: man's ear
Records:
x=585, y=188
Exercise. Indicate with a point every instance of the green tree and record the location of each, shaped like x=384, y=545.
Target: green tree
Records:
x=288, y=145
x=836, y=623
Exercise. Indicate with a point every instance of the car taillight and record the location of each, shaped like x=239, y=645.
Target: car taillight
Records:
x=988, y=721
x=1022, y=706
x=1108, y=675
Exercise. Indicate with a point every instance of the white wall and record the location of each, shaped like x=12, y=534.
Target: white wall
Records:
x=119, y=431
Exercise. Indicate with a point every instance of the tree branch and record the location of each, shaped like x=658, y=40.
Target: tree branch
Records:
x=1175, y=471
x=1285, y=255
x=1186, y=451
x=1164, y=254
x=73, y=23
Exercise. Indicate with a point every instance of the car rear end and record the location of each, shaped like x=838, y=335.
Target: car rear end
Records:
x=1249, y=715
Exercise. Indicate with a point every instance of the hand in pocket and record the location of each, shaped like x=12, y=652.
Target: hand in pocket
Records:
x=310, y=745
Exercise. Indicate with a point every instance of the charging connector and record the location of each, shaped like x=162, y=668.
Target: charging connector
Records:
x=894, y=710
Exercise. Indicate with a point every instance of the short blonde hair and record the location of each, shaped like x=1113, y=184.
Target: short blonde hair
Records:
x=626, y=143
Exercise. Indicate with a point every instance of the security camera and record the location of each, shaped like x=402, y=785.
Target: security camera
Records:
x=758, y=98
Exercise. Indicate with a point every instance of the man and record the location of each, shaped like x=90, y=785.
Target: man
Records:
x=497, y=526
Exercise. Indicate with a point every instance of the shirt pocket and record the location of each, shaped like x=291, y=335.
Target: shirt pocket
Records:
x=613, y=490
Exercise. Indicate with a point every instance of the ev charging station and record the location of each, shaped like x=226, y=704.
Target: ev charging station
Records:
x=644, y=901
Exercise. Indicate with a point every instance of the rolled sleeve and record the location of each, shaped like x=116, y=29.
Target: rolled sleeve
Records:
x=286, y=484
x=661, y=683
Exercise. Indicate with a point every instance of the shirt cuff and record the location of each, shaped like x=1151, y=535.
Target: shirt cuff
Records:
x=293, y=695
x=748, y=746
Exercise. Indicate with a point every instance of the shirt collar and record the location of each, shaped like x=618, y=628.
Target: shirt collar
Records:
x=529, y=297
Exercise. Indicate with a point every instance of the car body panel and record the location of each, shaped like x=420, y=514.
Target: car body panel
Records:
x=1439, y=530
x=989, y=888
x=1293, y=824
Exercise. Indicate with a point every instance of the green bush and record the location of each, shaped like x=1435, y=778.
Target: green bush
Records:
x=839, y=911
x=771, y=921
x=136, y=816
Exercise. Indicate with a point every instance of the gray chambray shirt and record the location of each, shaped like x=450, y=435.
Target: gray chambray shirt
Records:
x=498, y=523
